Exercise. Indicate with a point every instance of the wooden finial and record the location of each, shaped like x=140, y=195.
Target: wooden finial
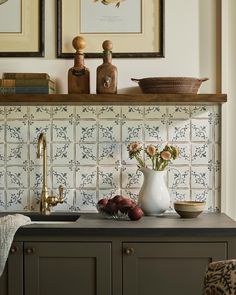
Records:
x=107, y=45
x=79, y=44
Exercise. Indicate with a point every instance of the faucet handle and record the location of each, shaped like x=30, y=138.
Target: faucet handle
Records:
x=61, y=190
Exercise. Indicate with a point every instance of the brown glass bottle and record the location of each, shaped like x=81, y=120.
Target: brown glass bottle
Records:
x=78, y=75
x=107, y=72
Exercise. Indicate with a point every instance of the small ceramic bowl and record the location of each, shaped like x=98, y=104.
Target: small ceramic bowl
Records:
x=189, y=209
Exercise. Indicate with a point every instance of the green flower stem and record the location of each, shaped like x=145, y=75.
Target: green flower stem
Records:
x=139, y=160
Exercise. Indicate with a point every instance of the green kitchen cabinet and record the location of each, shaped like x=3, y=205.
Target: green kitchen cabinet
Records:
x=168, y=268
x=67, y=268
x=11, y=281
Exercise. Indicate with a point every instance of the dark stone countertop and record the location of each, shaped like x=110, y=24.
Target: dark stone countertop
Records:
x=207, y=224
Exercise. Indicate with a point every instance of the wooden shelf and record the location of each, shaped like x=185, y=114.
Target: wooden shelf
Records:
x=117, y=99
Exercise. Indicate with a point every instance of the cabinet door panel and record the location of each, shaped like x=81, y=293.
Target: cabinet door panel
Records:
x=67, y=268
x=168, y=268
x=11, y=281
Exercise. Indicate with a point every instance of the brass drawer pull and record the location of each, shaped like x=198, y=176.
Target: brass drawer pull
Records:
x=30, y=250
x=129, y=251
x=14, y=249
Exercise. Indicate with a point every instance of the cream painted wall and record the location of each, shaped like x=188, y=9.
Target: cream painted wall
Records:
x=229, y=118
x=189, y=49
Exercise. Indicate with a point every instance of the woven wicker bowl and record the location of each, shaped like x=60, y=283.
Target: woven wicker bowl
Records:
x=170, y=84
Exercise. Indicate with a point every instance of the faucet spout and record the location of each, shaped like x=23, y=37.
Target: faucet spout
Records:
x=46, y=201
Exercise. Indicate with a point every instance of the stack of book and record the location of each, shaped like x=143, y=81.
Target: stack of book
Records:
x=23, y=83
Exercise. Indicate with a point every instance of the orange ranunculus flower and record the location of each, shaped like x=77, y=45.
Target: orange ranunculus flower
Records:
x=135, y=146
x=166, y=155
x=151, y=150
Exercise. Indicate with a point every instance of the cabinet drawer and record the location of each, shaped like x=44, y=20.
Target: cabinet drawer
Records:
x=168, y=268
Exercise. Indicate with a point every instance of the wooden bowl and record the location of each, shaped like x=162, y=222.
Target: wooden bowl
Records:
x=189, y=209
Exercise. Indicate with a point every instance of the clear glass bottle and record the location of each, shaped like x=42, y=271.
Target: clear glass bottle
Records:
x=107, y=72
x=78, y=75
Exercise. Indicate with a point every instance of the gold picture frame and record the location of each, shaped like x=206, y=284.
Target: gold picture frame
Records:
x=28, y=41
x=148, y=42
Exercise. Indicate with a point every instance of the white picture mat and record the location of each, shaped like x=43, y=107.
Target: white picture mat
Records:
x=10, y=17
x=95, y=17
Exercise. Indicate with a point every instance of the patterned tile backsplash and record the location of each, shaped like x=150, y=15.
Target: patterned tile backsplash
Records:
x=87, y=152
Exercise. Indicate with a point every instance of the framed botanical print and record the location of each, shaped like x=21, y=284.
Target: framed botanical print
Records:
x=136, y=27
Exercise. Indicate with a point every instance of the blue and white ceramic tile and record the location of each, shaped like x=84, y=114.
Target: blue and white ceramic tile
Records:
x=2, y=153
x=62, y=176
x=86, y=153
x=179, y=195
x=131, y=177
x=62, y=112
x=86, y=131
x=201, y=130
x=2, y=113
x=184, y=154
x=2, y=177
x=16, y=177
x=201, y=153
x=86, y=177
x=16, y=112
x=201, y=177
x=38, y=127
x=40, y=112
x=2, y=200
x=109, y=112
x=206, y=196
x=132, y=112
x=179, y=177
x=108, y=177
x=155, y=112
x=17, y=200
x=94, y=139
x=86, y=200
x=62, y=153
x=132, y=131
x=2, y=133
x=34, y=199
x=201, y=111
x=17, y=153
x=16, y=131
x=109, y=154
x=155, y=131
x=178, y=112
x=86, y=112
x=36, y=178
x=109, y=131
x=62, y=131
x=179, y=130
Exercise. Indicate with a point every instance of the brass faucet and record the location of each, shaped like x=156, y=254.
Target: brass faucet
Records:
x=46, y=201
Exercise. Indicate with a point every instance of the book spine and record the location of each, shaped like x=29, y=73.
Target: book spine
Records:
x=25, y=76
x=27, y=83
x=25, y=90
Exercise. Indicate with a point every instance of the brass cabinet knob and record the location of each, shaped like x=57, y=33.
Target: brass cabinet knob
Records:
x=14, y=249
x=30, y=250
x=129, y=251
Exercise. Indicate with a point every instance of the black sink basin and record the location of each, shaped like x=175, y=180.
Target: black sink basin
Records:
x=54, y=217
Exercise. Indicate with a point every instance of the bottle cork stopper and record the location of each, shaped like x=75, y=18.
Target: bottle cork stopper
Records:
x=107, y=45
x=79, y=44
